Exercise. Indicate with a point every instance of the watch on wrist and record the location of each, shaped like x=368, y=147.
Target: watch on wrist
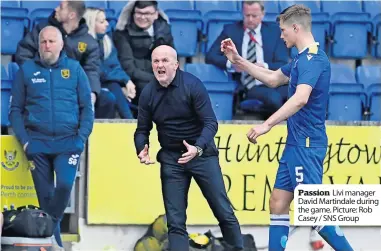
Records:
x=199, y=151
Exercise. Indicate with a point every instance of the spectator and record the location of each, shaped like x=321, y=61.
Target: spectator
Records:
x=258, y=42
x=79, y=45
x=141, y=27
x=112, y=75
x=52, y=117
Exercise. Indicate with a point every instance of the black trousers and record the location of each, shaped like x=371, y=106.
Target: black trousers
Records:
x=175, y=181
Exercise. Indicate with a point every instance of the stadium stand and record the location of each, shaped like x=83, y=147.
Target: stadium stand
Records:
x=349, y=30
x=370, y=77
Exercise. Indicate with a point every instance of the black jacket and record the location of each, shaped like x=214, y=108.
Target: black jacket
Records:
x=182, y=111
x=135, y=45
x=78, y=45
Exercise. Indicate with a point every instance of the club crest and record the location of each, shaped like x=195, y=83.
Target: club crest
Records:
x=10, y=162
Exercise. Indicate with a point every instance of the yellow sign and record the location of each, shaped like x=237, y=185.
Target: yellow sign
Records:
x=17, y=186
x=123, y=191
x=82, y=47
x=65, y=73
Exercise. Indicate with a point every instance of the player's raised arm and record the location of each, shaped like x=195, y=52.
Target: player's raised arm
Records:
x=270, y=78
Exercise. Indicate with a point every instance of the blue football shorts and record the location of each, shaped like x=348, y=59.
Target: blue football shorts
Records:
x=300, y=165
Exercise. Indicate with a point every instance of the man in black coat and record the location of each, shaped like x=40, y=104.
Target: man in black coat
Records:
x=178, y=103
x=141, y=28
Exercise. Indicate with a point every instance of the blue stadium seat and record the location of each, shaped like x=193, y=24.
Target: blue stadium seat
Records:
x=368, y=74
x=4, y=74
x=12, y=70
x=271, y=11
x=117, y=6
x=272, y=6
x=112, y=19
x=353, y=88
x=215, y=24
x=215, y=15
x=216, y=7
x=220, y=89
x=176, y=5
x=207, y=6
x=350, y=26
x=334, y=7
x=6, y=86
x=374, y=92
x=370, y=77
x=39, y=15
x=341, y=73
x=343, y=79
x=349, y=38
x=33, y=5
x=11, y=4
x=39, y=10
x=315, y=5
x=376, y=48
x=12, y=28
x=221, y=97
x=253, y=106
x=207, y=72
x=372, y=7
x=185, y=27
x=270, y=18
x=97, y=4
x=374, y=88
x=347, y=98
x=345, y=106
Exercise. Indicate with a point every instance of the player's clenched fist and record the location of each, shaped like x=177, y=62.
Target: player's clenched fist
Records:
x=257, y=131
x=230, y=51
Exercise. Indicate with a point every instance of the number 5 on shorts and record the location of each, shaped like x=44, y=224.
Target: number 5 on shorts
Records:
x=299, y=174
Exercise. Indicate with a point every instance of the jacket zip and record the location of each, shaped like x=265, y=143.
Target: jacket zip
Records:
x=51, y=103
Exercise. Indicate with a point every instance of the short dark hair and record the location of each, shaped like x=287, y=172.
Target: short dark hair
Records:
x=253, y=2
x=144, y=4
x=78, y=7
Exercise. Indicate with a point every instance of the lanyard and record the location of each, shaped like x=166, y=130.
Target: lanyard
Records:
x=252, y=38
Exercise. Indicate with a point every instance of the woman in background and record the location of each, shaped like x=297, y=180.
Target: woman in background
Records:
x=112, y=75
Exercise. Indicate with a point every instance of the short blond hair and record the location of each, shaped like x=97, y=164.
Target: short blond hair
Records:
x=296, y=14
